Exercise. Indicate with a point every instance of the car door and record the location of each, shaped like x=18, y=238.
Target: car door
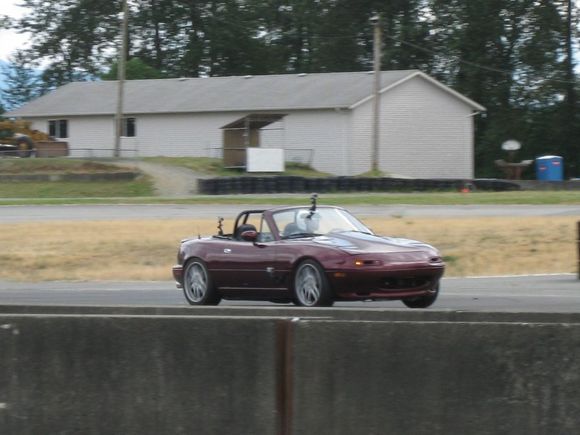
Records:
x=245, y=265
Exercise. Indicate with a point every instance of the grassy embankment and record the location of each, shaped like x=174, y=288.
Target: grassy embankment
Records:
x=38, y=191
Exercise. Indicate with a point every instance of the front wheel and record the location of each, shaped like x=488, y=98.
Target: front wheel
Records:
x=311, y=288
x=197, y=284
x=423, y=301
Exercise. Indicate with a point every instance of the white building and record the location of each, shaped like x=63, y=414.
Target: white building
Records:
x=426, y=128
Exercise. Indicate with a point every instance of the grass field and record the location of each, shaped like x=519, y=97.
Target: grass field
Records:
x=215, y=167
x=70, y=192
x=146, y=250
x=342, y=199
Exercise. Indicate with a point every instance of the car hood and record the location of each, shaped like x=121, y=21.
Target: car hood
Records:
x=356, y=242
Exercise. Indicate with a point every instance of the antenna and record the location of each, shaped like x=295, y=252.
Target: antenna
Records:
x=313, y=200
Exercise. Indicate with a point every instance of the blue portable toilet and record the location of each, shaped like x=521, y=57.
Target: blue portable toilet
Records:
x=550, y=168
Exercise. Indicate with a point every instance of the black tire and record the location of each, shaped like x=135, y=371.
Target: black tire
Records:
x=310, y=287
x=198, y=287
x=423, y=301
x=25, y=146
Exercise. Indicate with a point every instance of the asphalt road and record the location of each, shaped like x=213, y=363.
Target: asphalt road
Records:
x=541, y=293
x=32, y=213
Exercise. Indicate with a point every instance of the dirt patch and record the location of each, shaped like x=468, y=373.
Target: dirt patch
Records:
x=169, y=181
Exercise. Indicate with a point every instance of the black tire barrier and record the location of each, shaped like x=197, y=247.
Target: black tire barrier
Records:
x=294, y=184
x=496, y=185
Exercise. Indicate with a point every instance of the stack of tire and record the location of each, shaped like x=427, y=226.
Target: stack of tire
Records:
x=292, y=184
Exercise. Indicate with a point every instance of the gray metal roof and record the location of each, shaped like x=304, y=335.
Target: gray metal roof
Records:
x=218, y=94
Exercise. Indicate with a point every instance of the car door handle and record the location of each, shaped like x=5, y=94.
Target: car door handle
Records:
x=227, y=251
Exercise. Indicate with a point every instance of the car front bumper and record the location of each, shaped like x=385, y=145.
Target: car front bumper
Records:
x=361, y=284
x=177, y=271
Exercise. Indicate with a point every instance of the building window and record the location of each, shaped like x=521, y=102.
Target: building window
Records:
x=58, y=128
x=129, y=127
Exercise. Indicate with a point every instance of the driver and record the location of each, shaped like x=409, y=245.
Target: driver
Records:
x=307, y=222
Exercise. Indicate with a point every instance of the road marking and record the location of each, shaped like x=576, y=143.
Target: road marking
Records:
x=511, y=276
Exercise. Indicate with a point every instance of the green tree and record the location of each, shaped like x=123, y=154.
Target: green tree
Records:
x=21, y=81
x=74, y=37
x=569, y=111
x=508, y=57
x=135, y=69
x=231, y=45
x=336, y=35
x=167, y=35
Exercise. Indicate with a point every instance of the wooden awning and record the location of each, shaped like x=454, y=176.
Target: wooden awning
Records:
x=254, y=121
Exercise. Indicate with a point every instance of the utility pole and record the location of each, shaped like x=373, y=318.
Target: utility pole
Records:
x=376, y=22
x=121, y=82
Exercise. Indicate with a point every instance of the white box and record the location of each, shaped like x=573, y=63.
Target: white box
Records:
x=264, y=160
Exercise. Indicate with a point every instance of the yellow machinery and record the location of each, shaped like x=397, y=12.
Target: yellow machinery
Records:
x=17, y=138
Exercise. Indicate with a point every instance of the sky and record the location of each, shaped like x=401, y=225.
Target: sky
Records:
x=9, y=40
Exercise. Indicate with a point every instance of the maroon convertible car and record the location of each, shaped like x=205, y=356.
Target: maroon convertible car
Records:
x=311, y=256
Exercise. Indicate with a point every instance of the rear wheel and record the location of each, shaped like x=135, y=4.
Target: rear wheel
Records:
x=423, y=301
x=25, y=146
x=311, y=288
x=197, y=284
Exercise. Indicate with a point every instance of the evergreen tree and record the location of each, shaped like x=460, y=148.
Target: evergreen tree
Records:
x=569, y=110
x=75, y=36
x=508, y=57
x=165, y=34
x=135, y=69
x=21, y=81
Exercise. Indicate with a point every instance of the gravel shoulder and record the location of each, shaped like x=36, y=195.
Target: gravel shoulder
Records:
x=169, y=181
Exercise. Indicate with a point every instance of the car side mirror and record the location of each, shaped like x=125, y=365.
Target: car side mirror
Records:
x=249, y=236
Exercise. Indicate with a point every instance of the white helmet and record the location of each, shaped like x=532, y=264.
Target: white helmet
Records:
x=307, y=221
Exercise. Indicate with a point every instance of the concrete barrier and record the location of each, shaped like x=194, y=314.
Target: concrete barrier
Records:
x=173, y=374
x=381, y=314
x=137, y=375
x=435, y=378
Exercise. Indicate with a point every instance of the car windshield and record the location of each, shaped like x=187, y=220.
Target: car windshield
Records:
x=302, y=222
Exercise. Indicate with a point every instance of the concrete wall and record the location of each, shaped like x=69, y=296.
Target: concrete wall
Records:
x=140, y=375
x=436, y=379
x=422, y=374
